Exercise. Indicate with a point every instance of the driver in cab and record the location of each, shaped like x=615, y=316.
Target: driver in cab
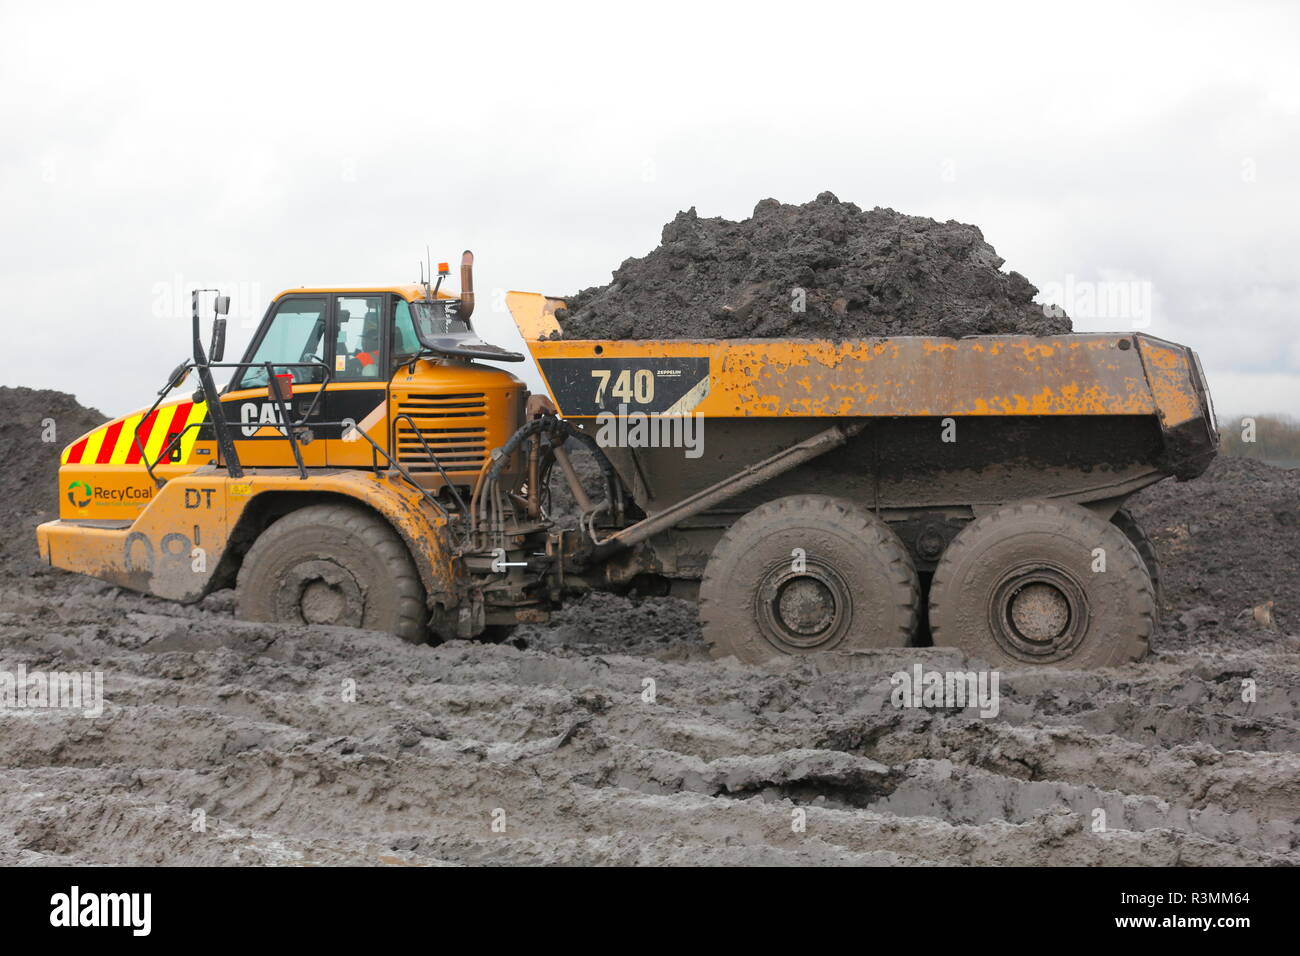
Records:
x=367, y=353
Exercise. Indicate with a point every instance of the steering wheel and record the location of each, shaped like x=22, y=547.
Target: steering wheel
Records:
x=307, y=376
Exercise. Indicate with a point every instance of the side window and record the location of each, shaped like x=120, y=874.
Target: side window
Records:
x=296, y=334
x=405, y=342
x=356, y=353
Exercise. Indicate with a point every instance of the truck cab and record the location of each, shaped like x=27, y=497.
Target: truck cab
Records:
x=356, y=364
x=369, y=399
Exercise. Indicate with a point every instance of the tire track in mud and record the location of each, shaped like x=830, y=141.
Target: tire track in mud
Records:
x=246, y=723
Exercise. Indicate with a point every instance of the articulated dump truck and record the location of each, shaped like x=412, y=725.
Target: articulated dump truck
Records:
x=364, y=467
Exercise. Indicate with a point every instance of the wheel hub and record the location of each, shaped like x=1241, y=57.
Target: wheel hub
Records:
x=806, y=605
x=1038, y=613
x=320, y=592
x=805, y=609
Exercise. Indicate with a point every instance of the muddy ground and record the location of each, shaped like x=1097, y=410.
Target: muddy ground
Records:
x=560, y=742
x=823, y=269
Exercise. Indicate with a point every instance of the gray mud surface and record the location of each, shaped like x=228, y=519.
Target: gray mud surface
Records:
x=555, y=736
x=862, y=273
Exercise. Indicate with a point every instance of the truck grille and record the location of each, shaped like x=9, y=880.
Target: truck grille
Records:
x=455, y=427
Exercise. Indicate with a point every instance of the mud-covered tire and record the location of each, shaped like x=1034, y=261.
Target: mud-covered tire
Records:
x=333, y=565
x=1017, y=587
x=1146, y=549
x=856, y=588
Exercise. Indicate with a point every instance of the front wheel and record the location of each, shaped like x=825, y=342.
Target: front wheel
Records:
x=333, y=565
x=1043, y=582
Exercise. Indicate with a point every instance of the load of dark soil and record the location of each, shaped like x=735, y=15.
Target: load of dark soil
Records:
x=824, y=269
x=35, y=426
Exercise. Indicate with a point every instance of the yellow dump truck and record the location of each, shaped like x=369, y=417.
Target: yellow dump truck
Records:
x=364, y=467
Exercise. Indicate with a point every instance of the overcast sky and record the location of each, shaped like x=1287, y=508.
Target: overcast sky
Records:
x=1146, y=150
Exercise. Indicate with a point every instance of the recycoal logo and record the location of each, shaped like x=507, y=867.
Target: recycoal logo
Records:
x=81, y=494
x=82, y=499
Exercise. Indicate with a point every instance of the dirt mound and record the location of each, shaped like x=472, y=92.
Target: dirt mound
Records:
x=1229, y=542
x=35, y=426
x=824, y=269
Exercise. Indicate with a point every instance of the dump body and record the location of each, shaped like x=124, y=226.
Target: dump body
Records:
x=954, y=427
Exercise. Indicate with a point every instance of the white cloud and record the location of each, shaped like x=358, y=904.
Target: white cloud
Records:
x=272, y=148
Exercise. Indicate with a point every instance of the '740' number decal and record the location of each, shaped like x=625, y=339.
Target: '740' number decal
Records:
x=629, y=386
x=651, y=385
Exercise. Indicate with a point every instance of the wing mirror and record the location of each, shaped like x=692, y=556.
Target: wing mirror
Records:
x=221, y=307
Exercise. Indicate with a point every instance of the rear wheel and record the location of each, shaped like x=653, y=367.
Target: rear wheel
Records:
x=806, y=574
x=1146, y=549
x=333, y=565
x=1028, y=585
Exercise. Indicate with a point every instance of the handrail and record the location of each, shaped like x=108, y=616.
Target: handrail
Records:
x=284, y=412
x=288, y=427
x=392, y=431
x=394, y=463
x=135, y=435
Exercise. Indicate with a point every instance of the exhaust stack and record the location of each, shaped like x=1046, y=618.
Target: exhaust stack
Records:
x=466, y=286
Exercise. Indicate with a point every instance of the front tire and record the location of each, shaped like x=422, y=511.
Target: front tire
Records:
x=333, y=565
x=807, y=574
x=1021, y=586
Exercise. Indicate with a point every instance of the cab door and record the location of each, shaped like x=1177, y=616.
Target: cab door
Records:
x=294, y=339
x=362, y=366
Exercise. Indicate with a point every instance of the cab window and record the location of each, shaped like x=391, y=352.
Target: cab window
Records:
x=295, y=334
x=405, y=342
x=357, y=350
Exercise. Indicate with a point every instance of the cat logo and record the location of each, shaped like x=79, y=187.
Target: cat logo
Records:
x=253, y=415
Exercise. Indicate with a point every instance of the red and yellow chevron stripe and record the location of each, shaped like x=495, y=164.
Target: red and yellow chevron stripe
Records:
x=114, y=443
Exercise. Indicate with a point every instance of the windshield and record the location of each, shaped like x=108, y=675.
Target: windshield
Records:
x=441, y=330
x=294, y=336
x=436, y=319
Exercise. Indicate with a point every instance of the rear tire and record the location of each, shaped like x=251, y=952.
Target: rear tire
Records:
x=1146, y=549
x=854, y=588
x=1017, y=588
x=333, y=565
